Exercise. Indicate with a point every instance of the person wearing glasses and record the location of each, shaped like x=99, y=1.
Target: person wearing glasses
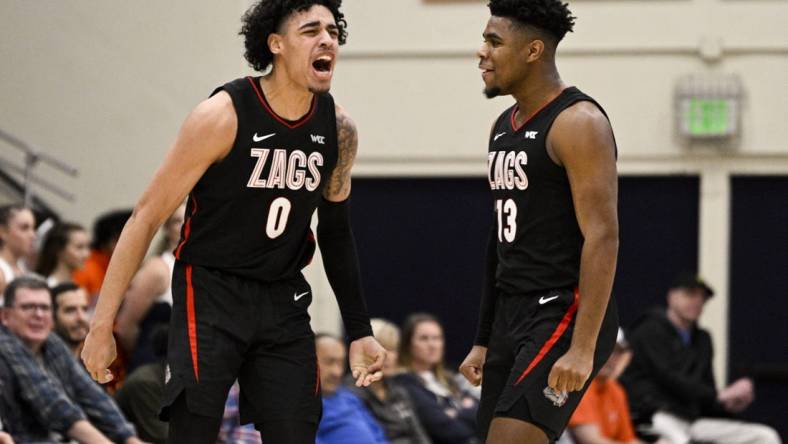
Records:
x=47, y=394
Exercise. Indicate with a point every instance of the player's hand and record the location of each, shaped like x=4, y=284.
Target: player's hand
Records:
x=366, y=358
x=5, y=438
x=473, y=365
x=99, y=352
x=571, y=371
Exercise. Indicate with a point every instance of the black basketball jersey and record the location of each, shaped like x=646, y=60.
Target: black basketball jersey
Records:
x=250, y=213
x=539, y=240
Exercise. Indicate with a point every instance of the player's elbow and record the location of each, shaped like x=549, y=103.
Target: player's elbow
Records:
x=603, y=236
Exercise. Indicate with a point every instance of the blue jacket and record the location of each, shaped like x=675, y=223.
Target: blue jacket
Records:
x=345, y=420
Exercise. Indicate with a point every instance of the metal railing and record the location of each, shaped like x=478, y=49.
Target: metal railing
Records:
x=32, y=157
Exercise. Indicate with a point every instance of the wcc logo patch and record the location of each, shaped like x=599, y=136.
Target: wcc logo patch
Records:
x=557, y=398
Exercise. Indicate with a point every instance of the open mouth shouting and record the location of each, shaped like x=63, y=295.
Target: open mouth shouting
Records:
x=323, y=67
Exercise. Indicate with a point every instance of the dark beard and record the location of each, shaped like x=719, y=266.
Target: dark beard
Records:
x=492, y=92
x=66, y=337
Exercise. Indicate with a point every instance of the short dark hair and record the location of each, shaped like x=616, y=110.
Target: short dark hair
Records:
x=265, y=18
x=59, y=289
x=29, y=282
x=108, y=227
x=550, y=16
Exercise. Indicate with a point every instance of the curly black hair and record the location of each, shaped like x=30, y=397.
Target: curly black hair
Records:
x=550, y=16
x=267, y=16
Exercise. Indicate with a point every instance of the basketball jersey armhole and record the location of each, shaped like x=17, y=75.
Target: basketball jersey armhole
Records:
x=236, y=94
x=573, y=101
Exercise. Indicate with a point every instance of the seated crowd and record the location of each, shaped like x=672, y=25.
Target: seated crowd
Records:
x=657, y=385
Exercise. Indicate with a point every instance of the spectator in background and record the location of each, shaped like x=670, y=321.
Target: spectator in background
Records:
x=389, y=402
x=70, y=308
x=345, y=419
x=5, y=438
x=232, y=432
x=602, y=417
x=148, y=301
x=65, y=249
x=140, y=397
x=46, y=389
x=17, y=236
x=106, y=231
x=446, y=412
x=670, y=380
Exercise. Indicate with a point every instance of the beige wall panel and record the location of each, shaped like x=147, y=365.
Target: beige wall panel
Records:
x=417, y=108
x=765, y=81
x=105, y=86
x=418, y=25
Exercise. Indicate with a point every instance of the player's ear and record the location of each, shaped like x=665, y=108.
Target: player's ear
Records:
x=275, y=42
x=534, y=50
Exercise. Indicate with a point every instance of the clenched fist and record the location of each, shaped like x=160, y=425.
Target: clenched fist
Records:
x=473, y=365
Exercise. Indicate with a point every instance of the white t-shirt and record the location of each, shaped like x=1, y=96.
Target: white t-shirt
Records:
x=8, y=274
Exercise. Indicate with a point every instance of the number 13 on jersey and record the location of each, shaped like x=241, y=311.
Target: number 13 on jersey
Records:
x=507, y=219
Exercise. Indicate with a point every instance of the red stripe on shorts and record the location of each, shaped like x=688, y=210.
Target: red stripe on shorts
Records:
x=191, y=322
x=559, y=331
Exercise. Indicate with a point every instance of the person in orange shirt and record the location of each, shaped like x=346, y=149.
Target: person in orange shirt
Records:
x=106, y=231
x=603, y=415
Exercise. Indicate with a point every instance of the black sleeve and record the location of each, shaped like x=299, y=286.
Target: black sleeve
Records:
x=654, y=348
x=419, y=435
x=440, y=426
x=487, y=308
x=340, y=261
x=711, y=407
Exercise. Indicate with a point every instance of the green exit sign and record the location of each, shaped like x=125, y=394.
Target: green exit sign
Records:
x=708, y=117
x=709, y=106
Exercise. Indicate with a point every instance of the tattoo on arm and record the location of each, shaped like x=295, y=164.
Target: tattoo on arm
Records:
x=338, y=187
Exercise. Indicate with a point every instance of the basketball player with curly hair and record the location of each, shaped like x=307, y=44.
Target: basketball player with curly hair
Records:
x=256, y=160
x=547, y=323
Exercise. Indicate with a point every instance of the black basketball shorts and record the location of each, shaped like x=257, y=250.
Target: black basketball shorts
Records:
x=226, y=327
x=530, y=333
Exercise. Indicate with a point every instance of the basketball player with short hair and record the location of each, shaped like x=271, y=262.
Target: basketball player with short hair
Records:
x=546, y=326
x=256, y=159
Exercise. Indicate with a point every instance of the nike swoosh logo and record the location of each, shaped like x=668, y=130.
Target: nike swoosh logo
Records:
x=299, y=296
x=497, y=136
x=543, y=300
x=257, y=138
